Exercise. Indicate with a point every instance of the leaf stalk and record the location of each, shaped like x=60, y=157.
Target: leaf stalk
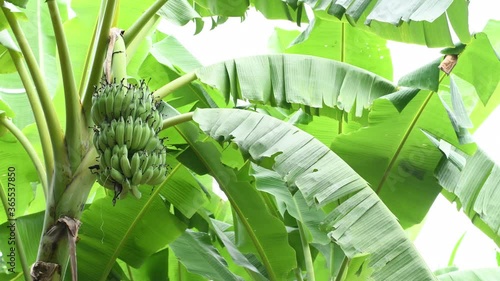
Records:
x=174, y=85
x=72, y=102
x=36, y=107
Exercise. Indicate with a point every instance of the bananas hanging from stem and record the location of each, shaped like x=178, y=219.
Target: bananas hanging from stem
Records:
x=127, y=123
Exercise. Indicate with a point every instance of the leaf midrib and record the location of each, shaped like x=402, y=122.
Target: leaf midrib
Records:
x=118, y=248
x=256, y=241
x=403, y=142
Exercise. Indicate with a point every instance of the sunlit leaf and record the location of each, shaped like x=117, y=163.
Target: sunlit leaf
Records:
x=361, y=224
x=194, y=250
x=318, y=84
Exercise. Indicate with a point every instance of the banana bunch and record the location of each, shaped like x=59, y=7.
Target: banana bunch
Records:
x=126, y=137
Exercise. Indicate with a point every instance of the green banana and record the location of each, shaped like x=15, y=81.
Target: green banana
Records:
x=146, y=176
x=97, y=117
x=109, y=104
x=125, y=166
x=135, y=191
x=110, y=135
x=125, y=189
x=129, y=131
x=120, y=131
x=117, y=176
x=117, y=105
x=135, y=162
x=101, y=105
x=145, y=136
x=152, y=144
x=115, y=162
x=137, y=134
x=106, y=157
x=127, y=100
x=159, y=175
x=136, y=178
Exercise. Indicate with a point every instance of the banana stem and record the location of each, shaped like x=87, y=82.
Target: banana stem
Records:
x=36, y=107
x=17, y=237
x=142, y=21
x=174, y=85
x=72, y=102
x=176, y=120
x=42, y=175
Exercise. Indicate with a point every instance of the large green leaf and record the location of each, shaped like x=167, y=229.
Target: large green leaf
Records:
x=478, y=65
x=338, y=41
x=473, y=182
x=399, y=160
x=12, y=154
x=360, y=224
x=29, y=229
x=195, y=251
x=422, y=22
x=320, y=85
x=132, y=231
x=271, y=182
x=267, y=233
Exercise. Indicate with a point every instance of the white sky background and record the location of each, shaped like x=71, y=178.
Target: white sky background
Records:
x=444, y=225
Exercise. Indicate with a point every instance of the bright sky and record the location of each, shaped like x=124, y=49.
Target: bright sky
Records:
x=444, y=225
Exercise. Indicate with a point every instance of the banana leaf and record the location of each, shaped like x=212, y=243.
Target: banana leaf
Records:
x=361, y=224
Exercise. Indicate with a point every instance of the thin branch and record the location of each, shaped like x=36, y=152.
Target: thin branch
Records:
x=19, y=242
x=142, y=21
x=176, y=120
x=72, y=102
x=37, y=110
x=174, y=85
x=100, y=53
x=42, y=175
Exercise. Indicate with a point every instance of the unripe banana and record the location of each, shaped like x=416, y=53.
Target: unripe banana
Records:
x=135, y=191
x=127, y=100
x=115, y=162
x=146, y=134
x=97, y=117
x=109, y=104
x=125, y=189
x=106, y=157
x=152, y=143
x=135, y=162
x=129, y=131
x=159, y=176
x=111, y=136
x=101, y=104
x=125, y=166
x=120, y=131
x=145, y=162
x=117, y=105
x=136, y=138
x=136, y=178
x=146, y=176
x=117, y=176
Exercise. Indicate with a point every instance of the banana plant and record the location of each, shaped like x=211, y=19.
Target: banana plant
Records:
x=106, y=89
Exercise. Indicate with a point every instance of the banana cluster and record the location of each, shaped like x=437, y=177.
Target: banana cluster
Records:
x=127, y=123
